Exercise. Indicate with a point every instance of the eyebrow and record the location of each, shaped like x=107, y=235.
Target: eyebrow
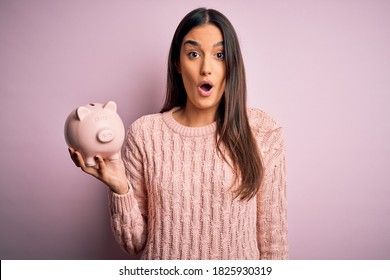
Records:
x=196, y=44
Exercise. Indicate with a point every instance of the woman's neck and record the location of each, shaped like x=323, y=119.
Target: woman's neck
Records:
x=194, y=118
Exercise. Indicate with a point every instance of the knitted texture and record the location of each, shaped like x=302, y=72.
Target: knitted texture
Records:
x=180, y=203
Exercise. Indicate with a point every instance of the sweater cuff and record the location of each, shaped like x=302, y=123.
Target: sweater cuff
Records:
x=120, y=203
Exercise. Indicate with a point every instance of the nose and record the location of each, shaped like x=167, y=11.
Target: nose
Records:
x=105, y=135
x=206, y=67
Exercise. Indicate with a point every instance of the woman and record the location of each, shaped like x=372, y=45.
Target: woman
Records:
x=204, y=178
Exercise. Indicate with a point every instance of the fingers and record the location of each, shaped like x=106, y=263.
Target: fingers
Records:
x=87, y=169
x=100, y=164
x=102, y=170
x=79, y=162
x=112, y=173
x=74, y=156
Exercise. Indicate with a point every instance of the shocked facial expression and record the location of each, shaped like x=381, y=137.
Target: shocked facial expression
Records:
x=202, y=67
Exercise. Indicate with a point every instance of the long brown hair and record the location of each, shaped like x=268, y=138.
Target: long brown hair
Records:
x=233, y=130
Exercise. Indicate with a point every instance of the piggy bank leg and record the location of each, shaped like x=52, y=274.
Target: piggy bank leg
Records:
x=90, y=161
x=114, y=157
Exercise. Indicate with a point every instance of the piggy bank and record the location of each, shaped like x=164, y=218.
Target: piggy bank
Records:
x=95, y=129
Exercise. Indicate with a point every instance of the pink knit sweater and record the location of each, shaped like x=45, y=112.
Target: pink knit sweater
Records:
x=180, y=206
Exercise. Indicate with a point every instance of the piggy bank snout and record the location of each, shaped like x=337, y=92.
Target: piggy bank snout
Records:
x=105, y=135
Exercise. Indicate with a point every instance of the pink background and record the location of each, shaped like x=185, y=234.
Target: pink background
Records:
x=322, y=68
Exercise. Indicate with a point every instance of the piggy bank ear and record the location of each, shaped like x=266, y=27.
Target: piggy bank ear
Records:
x=111, y=106
x=82, y=112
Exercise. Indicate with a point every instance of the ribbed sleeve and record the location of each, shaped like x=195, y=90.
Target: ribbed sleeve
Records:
x=272, y=239
x=271, y=201
x=129, y=212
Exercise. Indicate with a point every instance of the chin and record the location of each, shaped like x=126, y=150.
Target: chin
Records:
x=208, y=106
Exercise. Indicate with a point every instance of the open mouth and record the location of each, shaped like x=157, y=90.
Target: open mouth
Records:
x=206, y=87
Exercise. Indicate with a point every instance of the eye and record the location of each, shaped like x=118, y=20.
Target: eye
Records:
x=221, y=55
x=193, y=54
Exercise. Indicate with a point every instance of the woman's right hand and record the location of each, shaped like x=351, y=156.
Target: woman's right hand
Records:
x=112, y=173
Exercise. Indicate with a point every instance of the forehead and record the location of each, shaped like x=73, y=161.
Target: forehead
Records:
x=206, y=34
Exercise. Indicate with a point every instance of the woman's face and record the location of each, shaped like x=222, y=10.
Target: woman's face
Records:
x=202, y=67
